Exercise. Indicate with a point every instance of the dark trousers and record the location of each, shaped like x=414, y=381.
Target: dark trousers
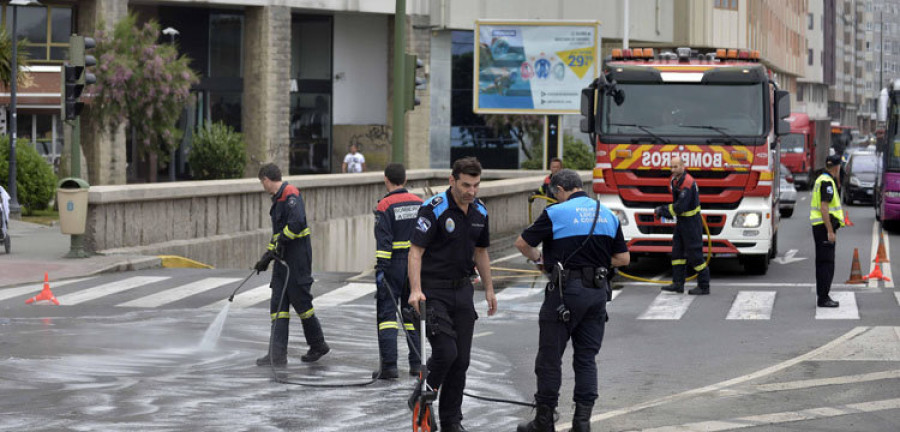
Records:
x=451, y=322
x=386, y=298
x=586, y=325
x=687, y=249
x=824, y=261
x=299, y=295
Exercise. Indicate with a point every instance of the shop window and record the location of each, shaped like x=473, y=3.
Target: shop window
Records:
x=47, y=30
x=225, y=45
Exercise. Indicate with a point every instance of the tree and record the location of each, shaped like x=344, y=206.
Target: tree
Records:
x=524, y=128
x=142, y=82
x=6, y=60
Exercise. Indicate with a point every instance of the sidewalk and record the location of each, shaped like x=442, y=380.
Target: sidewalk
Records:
x=38, y=248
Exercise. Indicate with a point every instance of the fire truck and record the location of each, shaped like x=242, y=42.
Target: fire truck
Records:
x=722, y=112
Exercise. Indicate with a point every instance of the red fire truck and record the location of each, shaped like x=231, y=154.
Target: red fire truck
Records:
x=721, y=112
x=798, y=152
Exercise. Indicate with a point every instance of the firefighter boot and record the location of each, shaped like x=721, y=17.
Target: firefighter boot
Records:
x=699, y=291
x=581, y=421
x=543, y=421
x=315, y=339
x=277, y=355
x=677, y=285
x=387, y=350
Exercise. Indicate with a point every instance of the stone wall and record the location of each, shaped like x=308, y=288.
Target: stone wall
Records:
x=225, y=223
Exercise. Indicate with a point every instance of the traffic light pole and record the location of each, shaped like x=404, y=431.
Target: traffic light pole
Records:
x=399, y=103
x=15, y=210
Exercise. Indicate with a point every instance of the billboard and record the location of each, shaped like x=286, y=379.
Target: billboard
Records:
x=534, y=67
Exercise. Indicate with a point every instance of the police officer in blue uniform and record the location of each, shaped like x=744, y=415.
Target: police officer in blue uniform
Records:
x=290, y=242
x=395, y=219
x=687, y=240
x=451, y=237
x=582, y=242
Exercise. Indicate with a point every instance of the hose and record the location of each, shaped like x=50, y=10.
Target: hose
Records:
x=531, y=201
x=231, y=298
x=708, y=258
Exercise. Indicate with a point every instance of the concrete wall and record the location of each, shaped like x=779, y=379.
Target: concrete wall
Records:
x=225, y=223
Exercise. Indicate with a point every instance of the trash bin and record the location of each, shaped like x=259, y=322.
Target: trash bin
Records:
x=72, y=198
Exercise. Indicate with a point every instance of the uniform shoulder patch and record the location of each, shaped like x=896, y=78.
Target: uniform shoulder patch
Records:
x=423, y=224
x=436, y=201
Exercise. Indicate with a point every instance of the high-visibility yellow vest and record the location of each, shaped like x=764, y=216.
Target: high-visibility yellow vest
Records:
x=815, y=204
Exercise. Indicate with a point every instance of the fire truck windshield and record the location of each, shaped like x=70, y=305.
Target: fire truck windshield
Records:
x=675, y=109
x=792, y=143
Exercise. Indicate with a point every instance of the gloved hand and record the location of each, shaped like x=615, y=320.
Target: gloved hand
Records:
x=662, y=211
x=379, y=278
x=279, y=249
x=263, y=263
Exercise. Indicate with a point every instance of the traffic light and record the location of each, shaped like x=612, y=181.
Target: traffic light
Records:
x=413, y=82
x=76, y=75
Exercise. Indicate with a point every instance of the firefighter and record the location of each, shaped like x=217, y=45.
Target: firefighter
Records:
x=395, y=219
x=826, y=200
x=556, y=164
x=450, y=239
x=290, y=243
x=687, y=240
x=582, y=241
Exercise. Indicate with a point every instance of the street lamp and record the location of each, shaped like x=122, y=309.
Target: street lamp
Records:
x=171, y=32
x=14, y=208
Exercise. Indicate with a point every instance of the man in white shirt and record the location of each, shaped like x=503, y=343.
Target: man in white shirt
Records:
x=354, y=162
x=4, y=208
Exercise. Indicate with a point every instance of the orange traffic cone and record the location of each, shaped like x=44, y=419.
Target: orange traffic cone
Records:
x=881, y=256
x=45, y=293
x=876, y=274
x=847, y=221
x=855, y=271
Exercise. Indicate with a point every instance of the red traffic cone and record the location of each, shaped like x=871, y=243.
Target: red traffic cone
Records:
x=881, y=256
x=855, y=271
x=847, y=221
x=876, y=274
x=45, y=293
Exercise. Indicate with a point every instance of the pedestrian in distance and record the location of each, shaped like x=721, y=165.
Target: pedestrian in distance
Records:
x=395, y=220
x=290, y=244
x=354, y=161
x=556, y=164
x=582, y=242
x=825, y=200
x=450, y=239
x=687, y=240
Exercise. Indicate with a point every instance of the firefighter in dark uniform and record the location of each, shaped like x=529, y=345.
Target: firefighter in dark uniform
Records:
x=687, y=240
x=575, y=309
x=451, y=237
x=556, y=164
x=395, y=219
x=825, y=200
x=290, y=243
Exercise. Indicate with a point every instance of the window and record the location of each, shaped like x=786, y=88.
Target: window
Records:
x=225, y=45
x=809, y=21
x=47, y=30
x=726, y=4
x=809, y=57
x=799, y=97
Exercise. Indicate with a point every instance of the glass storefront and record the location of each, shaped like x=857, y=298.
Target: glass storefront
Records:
x=311, y=102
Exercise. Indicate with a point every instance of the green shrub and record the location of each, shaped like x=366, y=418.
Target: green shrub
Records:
x=35, y=180
x=218, y=152
x=576, y=155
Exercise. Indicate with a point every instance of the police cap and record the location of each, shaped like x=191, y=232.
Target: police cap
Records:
x=833, y=160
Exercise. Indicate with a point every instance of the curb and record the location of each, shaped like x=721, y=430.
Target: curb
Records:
x=130, y=264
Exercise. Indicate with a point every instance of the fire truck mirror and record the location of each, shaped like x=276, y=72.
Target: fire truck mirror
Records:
x=588, y=109
x=782, y=110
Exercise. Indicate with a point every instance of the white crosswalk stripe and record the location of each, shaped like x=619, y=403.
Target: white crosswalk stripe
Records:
x=752, y=305
x=847, y=310
x=344, y=294
x=108, y=289
x=667, y=307
x=245, y=299
x=172, y=295
x=8, y=293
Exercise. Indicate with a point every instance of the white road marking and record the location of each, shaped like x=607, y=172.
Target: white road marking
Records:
x=848, y=379
x=506, y=258
x=847, y=309
x=245, y=299
x=885, y=267
x=517, y=292
x=751, y=285
x=344, y=294
x=728, y=383
x=782, y=417
x=752, y=305
x=487, y=333
x=8, y=293
x=667, y=306
x=108, y=289
x=616, y=293
x=897, y=294
x=174, y=294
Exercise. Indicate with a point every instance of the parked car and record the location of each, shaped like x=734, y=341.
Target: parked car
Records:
x=858, y=181
x=787, y=192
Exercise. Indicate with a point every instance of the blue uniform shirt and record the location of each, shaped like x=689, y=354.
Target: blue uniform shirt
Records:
x=450, y=237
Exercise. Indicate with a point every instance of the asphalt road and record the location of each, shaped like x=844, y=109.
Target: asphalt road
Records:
x=123, y=352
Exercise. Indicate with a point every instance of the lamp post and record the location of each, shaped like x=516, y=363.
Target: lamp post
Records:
x=14, y=208
x=171, y=32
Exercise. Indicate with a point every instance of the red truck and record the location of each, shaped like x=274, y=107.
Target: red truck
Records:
x=798, y=152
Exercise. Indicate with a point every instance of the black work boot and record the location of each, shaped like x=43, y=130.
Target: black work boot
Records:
x=699, y=291
x=312, y=331
x=673, y=288
x=453, y=427
x=543, y=421
x=581, y=421
x=386, y=371
x=277, y=355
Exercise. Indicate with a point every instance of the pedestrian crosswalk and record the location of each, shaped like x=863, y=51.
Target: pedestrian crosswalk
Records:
x=740, y=303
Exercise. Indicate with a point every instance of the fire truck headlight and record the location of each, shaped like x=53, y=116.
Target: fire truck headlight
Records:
x=623, y=220
x=747, y=220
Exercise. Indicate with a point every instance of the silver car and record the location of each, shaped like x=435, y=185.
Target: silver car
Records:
x=787, y=194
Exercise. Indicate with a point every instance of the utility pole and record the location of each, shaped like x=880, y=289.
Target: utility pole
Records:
x=398, y=128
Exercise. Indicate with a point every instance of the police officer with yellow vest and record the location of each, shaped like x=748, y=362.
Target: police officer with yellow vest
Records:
x=825, y=201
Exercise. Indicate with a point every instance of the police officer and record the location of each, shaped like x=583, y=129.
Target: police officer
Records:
x=395, y=219
x=582, y=241
x=825, y=201
x=451, y=237
x=687, y=241
x=290, y=243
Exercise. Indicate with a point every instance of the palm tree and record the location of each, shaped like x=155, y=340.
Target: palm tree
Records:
x=6, y=59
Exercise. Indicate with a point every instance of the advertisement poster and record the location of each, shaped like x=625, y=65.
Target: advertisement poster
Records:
x=534, y=67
